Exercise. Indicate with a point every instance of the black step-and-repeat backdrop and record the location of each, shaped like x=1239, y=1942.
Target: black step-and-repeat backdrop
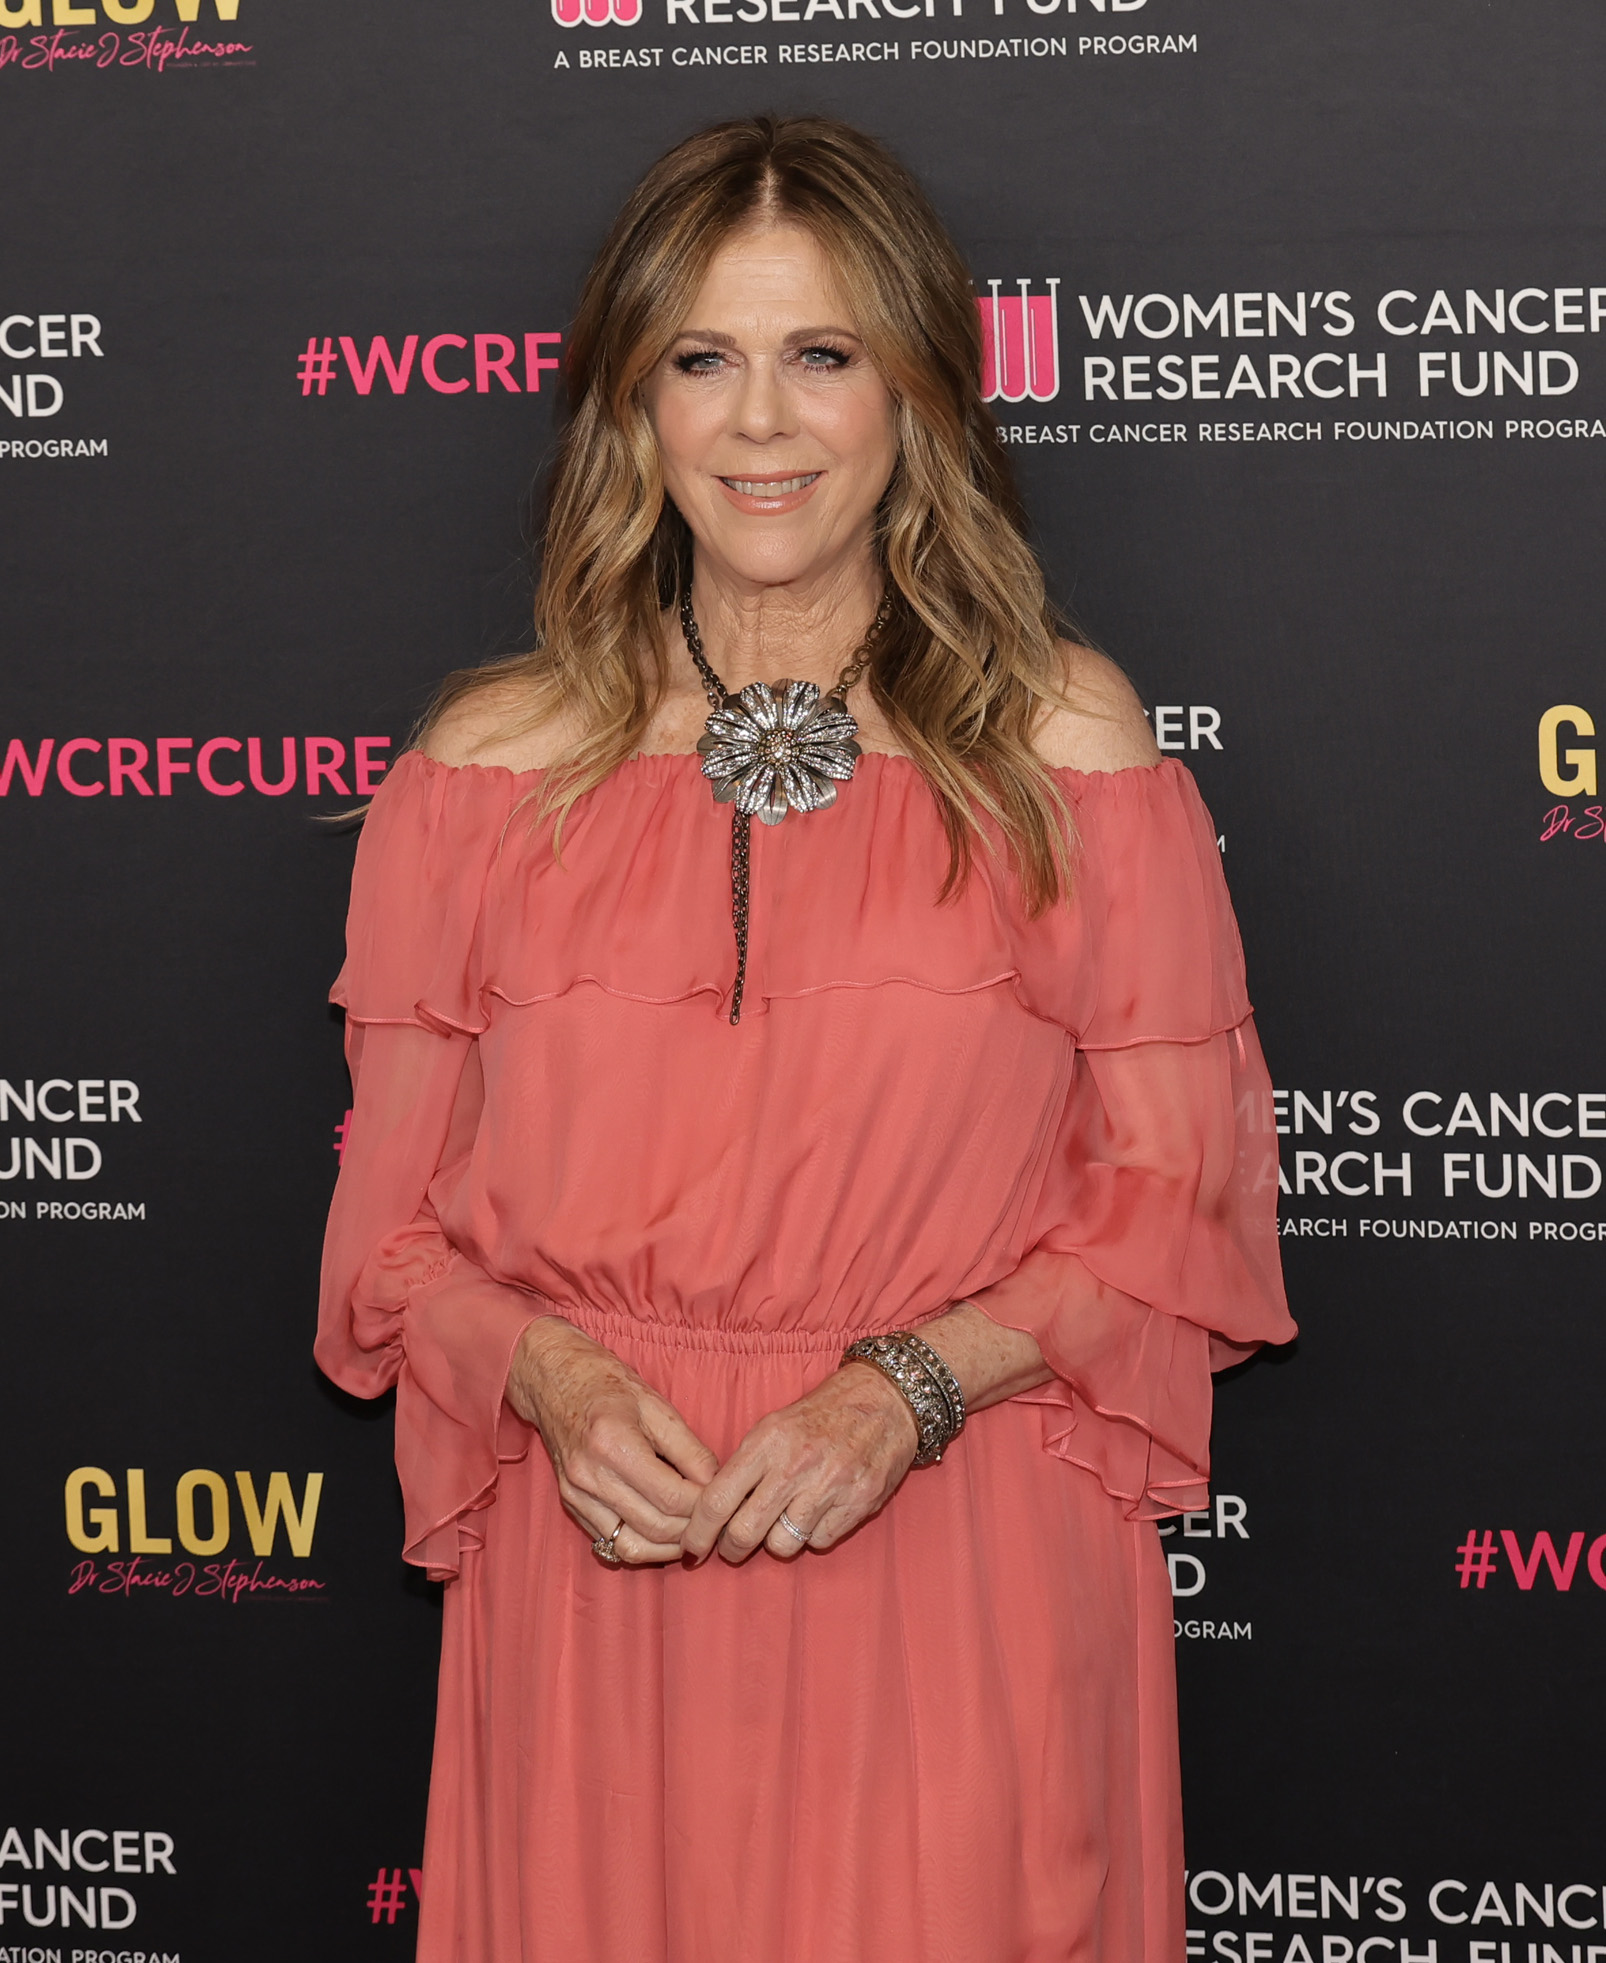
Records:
x=1296, y=318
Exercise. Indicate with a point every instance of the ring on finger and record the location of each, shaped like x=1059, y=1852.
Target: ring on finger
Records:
x=792, y=1527
x=603, y=1547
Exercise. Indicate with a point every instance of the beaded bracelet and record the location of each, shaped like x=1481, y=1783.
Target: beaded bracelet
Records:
x=929, y=1387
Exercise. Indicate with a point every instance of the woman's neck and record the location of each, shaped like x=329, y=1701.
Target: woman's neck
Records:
x=803, y=632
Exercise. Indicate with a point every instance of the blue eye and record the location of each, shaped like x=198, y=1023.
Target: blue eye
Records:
x=698, y=361
x=824, y=356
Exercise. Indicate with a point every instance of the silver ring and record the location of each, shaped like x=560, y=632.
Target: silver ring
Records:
x=792, y=1528
x=602, y=1547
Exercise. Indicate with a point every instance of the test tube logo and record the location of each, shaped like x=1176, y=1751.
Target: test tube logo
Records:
x=1020, y=342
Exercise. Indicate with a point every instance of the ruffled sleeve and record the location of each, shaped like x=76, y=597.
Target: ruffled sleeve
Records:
x=399, y=1304
x=1154, y=1253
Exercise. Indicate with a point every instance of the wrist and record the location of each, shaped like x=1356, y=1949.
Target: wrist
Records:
x=546, y=1337
x=538, y=1352
x=922, y=1376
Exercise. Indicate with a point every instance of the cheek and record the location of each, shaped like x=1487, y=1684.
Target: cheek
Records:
x=684, y=425
x=862, y=435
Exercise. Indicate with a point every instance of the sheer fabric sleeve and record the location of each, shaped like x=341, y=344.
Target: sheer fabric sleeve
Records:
x=399, y=1305
x=1154, y=1254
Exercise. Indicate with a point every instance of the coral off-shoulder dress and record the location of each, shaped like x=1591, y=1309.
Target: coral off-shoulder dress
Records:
x=951, y=1738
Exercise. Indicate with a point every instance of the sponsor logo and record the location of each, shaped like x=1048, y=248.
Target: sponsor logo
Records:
x=124, y=766
x=450, y=364
x=103, y=1519
x=1478, y=1557
x=202, y=1513
x=836, y=15
x=1568, y=769
x=1493, y=1146
x=1020, y=343
x=41, y=1904
x=1324, y=315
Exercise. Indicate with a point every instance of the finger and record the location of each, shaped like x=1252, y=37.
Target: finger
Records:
x=636, y=1551
x=636, y=1456
x=632, y=1548
x=617, y=1491
x=750, y=1526
x=673, y=1439
x=719, y=1500
x=596, y=1492
x=787, y=1541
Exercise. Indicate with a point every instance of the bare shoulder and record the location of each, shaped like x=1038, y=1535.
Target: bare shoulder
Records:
x=488, y=726
x=1106, y=728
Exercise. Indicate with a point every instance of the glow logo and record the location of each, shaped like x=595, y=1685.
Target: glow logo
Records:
x=202, y=1517
x=1020, y=343
x=596, y=13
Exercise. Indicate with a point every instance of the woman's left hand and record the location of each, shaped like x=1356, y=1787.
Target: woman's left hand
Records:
x=828, y=1462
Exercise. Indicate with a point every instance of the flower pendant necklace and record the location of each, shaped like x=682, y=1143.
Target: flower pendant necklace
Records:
x=773, y=749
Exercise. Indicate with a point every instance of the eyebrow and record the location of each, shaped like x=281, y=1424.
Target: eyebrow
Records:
x=801, y=337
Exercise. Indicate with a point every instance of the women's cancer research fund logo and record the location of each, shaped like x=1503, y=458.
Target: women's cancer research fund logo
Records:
x=596, y=13
x=1020, y=342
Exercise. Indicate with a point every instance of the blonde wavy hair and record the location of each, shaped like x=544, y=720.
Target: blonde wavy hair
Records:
x=968, y=662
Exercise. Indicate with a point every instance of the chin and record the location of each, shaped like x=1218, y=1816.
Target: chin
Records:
x=772, y=563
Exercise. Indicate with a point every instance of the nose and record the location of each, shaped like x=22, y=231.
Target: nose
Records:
x=763, y=407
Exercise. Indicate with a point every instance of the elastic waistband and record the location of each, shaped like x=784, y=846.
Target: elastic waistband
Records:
x=610, y=1325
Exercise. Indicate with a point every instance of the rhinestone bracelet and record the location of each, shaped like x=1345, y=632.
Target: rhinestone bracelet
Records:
x=929, y=1388
x=944, y=1378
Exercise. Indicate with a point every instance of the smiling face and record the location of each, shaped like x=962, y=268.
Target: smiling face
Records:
x=775, y=427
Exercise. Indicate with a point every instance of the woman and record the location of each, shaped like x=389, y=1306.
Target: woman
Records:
x=946, y=1061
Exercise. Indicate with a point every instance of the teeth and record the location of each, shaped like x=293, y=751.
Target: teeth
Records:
x=748, y=488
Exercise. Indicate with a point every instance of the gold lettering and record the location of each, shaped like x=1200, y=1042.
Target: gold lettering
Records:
x=261, y=1522
x=1584, y=781
x=189, y=1538
x=102, y=1518
x=139, y=1541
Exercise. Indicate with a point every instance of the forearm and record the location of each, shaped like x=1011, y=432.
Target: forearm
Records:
x=991, y=1361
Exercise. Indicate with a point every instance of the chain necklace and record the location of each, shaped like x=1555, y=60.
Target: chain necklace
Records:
x=773, y=749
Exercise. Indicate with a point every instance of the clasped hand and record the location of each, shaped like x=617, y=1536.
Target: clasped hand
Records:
x=625, y=1458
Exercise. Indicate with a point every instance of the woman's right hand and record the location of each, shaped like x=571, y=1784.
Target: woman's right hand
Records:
x=620, y=1451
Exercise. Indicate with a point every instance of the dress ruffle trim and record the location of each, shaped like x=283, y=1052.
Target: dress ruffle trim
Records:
x=458, y=902
x=444, y=1333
